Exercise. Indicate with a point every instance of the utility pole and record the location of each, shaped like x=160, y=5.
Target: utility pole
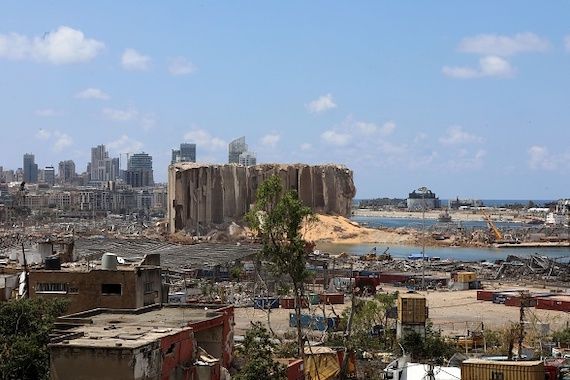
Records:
x=524, y=303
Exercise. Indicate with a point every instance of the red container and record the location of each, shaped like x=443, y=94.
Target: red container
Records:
x=392, y=278
x=554, y=303
x=287, y=302
x=485, y=295
x=295, y=370
x=516, y=301
x=332, y=298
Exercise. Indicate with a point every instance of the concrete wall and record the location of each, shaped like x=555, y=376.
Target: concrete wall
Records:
x=91, y=363
x=212, y=194
x=84, y=288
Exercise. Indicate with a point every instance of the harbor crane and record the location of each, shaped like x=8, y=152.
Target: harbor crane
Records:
x=496, y=232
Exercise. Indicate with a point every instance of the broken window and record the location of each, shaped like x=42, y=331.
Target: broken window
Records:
x=57, y=288
x=111, y=289
x=497, y=376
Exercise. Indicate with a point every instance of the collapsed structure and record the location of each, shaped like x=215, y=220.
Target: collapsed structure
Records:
x=200, y=195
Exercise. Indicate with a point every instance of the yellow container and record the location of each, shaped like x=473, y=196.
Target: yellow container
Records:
x=478, y=369
x=466, y=276
x=412, y=308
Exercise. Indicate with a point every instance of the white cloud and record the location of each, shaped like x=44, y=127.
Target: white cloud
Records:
x=92, y=93
x=48, y=112
x=270, y=140
x=371, y=128
x=465, y=161
x=489, y=66
x=322, y=104
x=62, y=141
x=495, y=66
x=125, y=144
x=493, y=44
x=336, y=138
x=455, y=135
x=540, y=158
x=133, y=60
x=42, y=134
x=203, y=139
x=366, y=128
x=62, y=46
x=115, y=114
x=388, y=128
x=181, y=66
x=306, y=146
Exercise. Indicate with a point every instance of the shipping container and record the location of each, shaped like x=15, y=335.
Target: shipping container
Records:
x=395, y=277
x=412, y=308
x=332, y=298
x=315, y=322
x=479, y=369
x=287, y=302
x=466, y=276
x=560, y=303
x=314, y=299
x=516, y=300
x=485, y=295
x=266, y=303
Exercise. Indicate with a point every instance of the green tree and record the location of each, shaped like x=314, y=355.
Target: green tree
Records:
x=257, y=350
x=366, y=316
x=433, y=347
x=278, y=218
x=25, y=326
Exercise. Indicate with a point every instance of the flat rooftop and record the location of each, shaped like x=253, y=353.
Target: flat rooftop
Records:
x=123, y=329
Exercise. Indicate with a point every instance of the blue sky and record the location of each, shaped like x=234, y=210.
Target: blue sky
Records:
x=467, y=98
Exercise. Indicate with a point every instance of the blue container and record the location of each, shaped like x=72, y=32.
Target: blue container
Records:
x=318, y=323
x=266, y=303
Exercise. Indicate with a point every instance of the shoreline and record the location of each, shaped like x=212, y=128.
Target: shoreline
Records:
x=456, y=215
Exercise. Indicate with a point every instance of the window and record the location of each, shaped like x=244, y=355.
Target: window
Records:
x=148, y=287
x=111, y=289
x=497, y=376
x=51, y=287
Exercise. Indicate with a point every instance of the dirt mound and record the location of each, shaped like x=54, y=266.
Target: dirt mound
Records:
x=338, y=229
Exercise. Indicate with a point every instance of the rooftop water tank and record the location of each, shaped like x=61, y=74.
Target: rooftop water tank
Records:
x=52, y=263
x=109, y=261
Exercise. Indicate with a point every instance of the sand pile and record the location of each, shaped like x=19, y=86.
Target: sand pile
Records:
x=338, y=229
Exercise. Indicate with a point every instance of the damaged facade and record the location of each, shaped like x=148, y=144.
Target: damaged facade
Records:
x=200, y=195
x=151, y=343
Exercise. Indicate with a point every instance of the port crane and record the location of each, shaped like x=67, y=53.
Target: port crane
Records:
x=496, y=232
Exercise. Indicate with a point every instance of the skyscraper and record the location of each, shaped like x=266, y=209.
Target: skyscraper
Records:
x=235, y=148
x=30, y=168
x=49, y=175
x=238, y=153
x=186, y=153
x=66, y=171
x=247, y=159
x=102, y=167
x=139, y=170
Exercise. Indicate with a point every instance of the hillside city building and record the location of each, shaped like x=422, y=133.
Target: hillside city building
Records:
x=186, y=153
x=30, y=168
x=238, y=153
x=139, y=171
x=102, y=168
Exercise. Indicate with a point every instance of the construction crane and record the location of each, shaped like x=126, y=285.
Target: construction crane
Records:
x=496, y=232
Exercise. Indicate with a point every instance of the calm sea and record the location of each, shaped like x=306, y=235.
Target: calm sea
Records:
x=454, y=253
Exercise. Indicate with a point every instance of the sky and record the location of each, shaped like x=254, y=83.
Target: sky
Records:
x=470, y=99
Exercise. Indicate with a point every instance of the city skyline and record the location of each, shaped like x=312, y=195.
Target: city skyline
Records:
x=467, y=101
